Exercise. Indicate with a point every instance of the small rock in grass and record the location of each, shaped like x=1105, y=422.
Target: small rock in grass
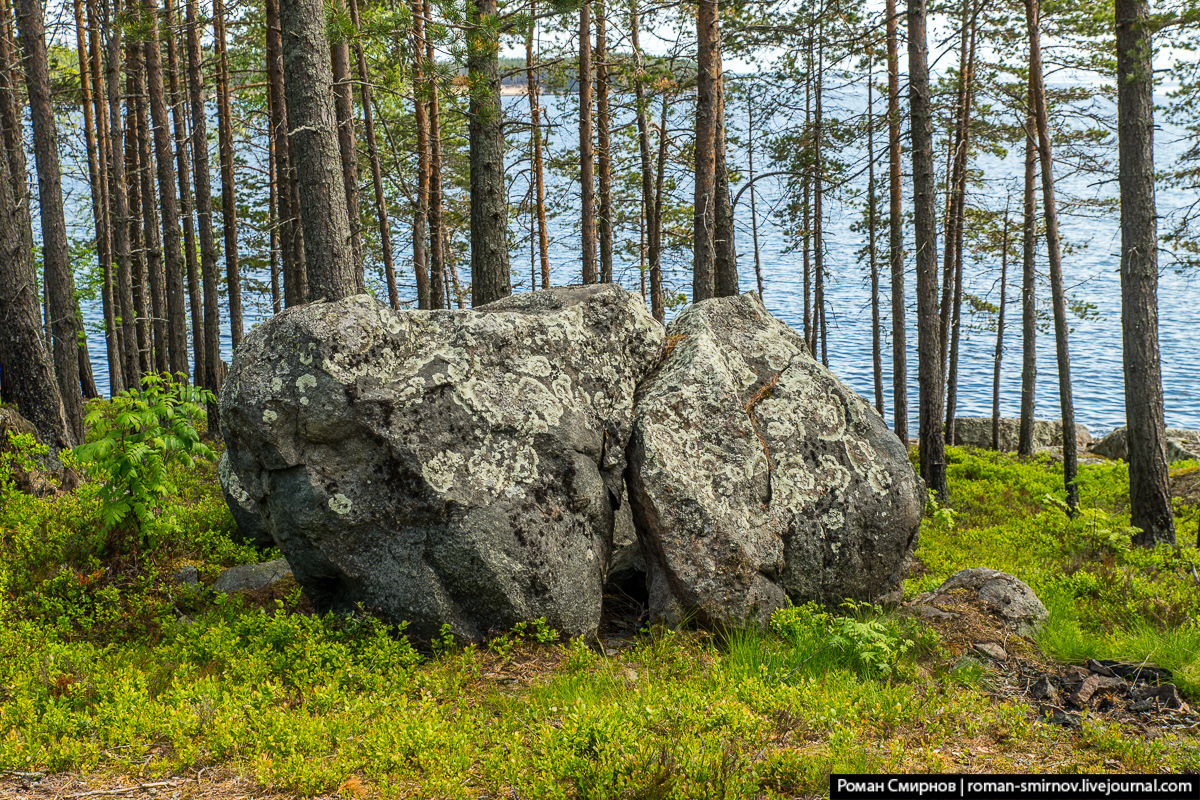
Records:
x=1164, y=696
x=252, y=577
x=1042, y=689
x=187, y=575
x=1100, y=669
x=1056, y=716
x=991, y=650
x=1139, y=673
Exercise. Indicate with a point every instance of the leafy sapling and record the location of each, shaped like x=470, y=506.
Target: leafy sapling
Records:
x=135, y=440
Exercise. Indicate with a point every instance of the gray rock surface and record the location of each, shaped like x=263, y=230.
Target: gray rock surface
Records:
x=252, y=577
x=756, y=476
x=1004, y=595
x=187, y=575
x=458, y=467
x=1182, y=444
x=977, y=432
x=244, y=511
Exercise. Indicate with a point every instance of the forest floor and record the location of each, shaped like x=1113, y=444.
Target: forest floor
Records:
x=117, y=682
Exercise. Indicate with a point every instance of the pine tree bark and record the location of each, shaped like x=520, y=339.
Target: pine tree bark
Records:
x=535, y=131
x=104, y=236
x=381, y=212
x=490, y=278
x=649, y=200
x=999, y=355
x=28, y=373
x=213, y=365
x=176, y=301
x=929, y=366
x=896, y=234
x=1028, y=287
x=120, y=216
x=438, y=295
x=872, y=255
x=137, y=233
x=1149, y=494
x=332, y=273
x=94, y=182
x=233, y=276
x=421, y=115
x=725, y=272
x=587, y=156
x=295, y=277
x=60, y=284
x=155, y=277
x=603, y=147
x=343, y=106
x=820, y=335
x=1054, y=253
x=707, y=108
x=753, y=207
x=186, y=207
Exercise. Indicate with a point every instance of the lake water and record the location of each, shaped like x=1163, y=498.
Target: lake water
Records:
x=1091, y=274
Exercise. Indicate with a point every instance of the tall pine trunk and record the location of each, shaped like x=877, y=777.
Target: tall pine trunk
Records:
x=28, y=372
x=152, y=240
x=1054, y=253
x=104, y=236
x=60, y=284
x=213, y=366
x=1149, y=495
x=332, y=273
x=228, y=201
x=490, y=278
x=999, y=354
x=929, y=366
x=876, y=347
x=708, y=74
x=291, y=251
x=587, y=156
x=896, y=234
x=176, y=302
x=421, y=109
x=1028, y=287
x=119, y=214
x=438, y=295
x=535, y=134
x=343, y=106
x=649, y=201
x=603, y=147
x=183, y=164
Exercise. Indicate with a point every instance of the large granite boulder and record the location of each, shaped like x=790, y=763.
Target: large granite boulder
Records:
x=756, y=476
x=457, y=467
x=1182, y=444
x=977, y=432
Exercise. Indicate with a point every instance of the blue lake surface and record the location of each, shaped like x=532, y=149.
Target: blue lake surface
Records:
x=1091, y=275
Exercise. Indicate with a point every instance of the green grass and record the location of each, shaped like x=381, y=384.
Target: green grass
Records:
x=108, y=668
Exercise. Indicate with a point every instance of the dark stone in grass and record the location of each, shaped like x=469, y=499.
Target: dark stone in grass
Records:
x=1056, y=716
x=1166, y=696
x=757, y=477
x=1042, y=689
x=187, y=575
x=1092, y=684
x=252, y=577
x=1098, y=668
x=1138, y=673
x=448, y=467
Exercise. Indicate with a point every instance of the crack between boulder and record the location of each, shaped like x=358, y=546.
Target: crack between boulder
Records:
x=763, y=393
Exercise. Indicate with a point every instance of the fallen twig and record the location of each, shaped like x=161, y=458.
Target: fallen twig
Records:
x=123, y=790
